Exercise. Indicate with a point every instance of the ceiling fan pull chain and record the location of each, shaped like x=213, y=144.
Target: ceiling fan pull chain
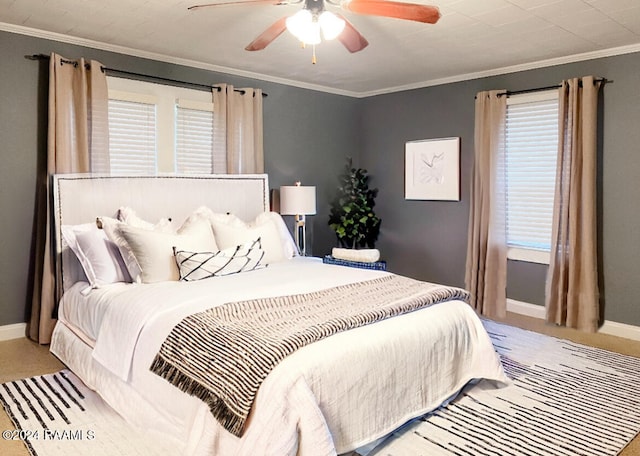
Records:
x=313, y=57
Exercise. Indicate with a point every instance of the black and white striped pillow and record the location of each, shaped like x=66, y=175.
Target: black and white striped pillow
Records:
x=202, y=265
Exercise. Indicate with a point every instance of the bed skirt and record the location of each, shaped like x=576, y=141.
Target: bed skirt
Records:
x=76, y=355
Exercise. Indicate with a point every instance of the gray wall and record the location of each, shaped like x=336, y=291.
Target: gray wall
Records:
x=308, y=134
x=307, y=137
x=427, y=239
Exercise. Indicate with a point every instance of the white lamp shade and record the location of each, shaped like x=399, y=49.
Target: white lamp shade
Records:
x=297, y=200
x=304, y=27
x=331, y=25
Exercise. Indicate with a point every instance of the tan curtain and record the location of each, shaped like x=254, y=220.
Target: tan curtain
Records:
x=237, y=129
x=77, y=143
x=572, y=297
x=486, y=265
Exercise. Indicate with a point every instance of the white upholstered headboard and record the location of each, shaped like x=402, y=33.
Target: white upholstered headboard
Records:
x=80, y=198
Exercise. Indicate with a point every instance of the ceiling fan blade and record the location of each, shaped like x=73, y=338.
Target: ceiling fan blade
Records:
x=246, y=2
x=398, y=10
x=270, y=34
x=351, y=38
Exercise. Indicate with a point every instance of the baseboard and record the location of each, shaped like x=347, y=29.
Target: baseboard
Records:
x=525, y=308
x=620, y=330
x=611, y=328
x=15, y=331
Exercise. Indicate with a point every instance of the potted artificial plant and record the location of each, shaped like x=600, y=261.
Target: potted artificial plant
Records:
x=351, y=215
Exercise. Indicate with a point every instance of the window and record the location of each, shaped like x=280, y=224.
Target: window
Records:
x=155, y=128
x=531, y=149
x=194, y=137
x=132, y=134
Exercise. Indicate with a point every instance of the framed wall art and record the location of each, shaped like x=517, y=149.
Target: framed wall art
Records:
x=432, y=169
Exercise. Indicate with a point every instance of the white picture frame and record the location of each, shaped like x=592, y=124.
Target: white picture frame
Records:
x=432, y=169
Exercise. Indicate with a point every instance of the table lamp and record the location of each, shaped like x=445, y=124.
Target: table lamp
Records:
x=299, y=201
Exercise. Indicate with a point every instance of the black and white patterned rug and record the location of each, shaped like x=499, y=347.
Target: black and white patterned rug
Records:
x=57, y=415
x=566, y=399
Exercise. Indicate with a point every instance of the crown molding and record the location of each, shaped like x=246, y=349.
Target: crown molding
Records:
x=610, y=52
x=69, y=39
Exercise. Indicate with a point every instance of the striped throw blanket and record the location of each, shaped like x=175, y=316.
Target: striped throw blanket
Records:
x=223, y=354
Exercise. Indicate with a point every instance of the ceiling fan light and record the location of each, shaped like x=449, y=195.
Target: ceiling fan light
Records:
x=299, y=23
x=331, y=25
x=312, y=34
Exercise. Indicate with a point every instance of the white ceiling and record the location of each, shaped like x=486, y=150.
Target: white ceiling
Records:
x=473, y=38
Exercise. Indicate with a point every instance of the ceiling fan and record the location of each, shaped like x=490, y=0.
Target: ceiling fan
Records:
x=314, y=18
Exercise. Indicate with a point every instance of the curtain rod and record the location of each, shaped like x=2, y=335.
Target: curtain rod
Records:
x=540, y=89
x=139, y=75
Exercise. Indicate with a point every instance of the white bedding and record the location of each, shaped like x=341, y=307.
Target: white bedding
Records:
x=331, y=396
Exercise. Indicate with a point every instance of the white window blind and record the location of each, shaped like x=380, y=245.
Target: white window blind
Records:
x=182, y=129
x=531, y=153
x=194, y=137
x=132, y=137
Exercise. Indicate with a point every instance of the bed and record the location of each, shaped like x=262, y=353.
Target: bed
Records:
x=329, y=397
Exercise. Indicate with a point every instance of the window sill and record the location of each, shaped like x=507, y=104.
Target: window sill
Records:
x=528, y=255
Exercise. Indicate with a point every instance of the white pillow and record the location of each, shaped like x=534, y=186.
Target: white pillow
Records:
x=111, y=228
x=203, y=265
x=153, y=251
x=263, y=224
x=208, y=214
x=99, y=257
x=129, y=216
x=288, y=244
x=231, y=235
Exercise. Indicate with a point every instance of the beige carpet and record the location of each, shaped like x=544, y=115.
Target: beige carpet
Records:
x=22, y=358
